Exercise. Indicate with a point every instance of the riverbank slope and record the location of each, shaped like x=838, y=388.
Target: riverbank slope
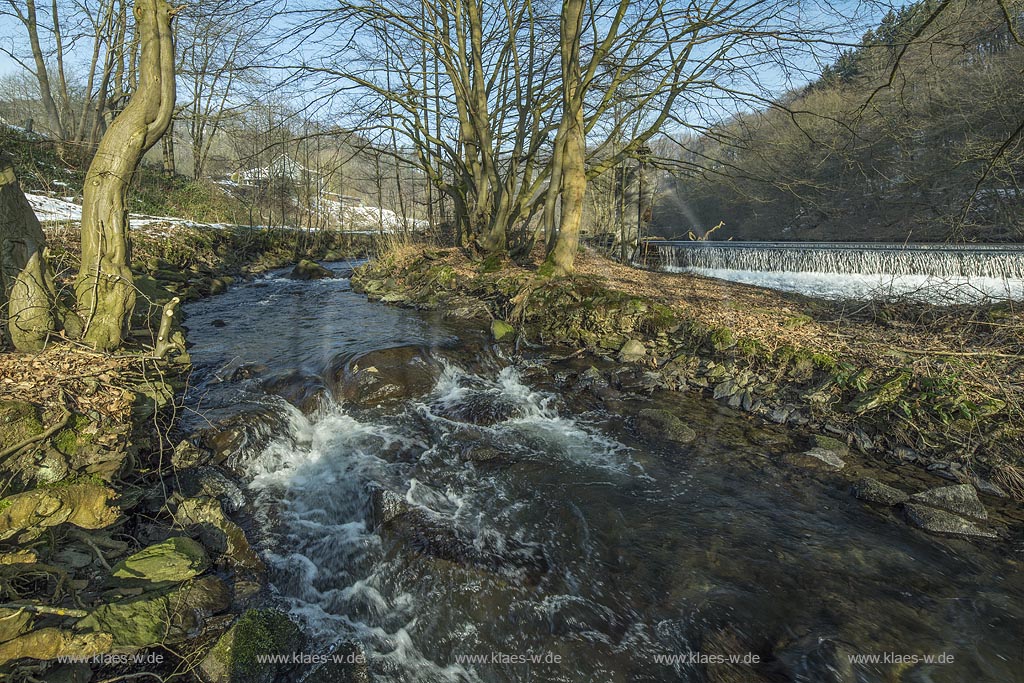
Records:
x=903, y=382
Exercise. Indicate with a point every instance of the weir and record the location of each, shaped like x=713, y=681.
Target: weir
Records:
x=938, y=260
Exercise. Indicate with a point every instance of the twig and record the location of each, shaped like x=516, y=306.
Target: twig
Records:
x=45, y=609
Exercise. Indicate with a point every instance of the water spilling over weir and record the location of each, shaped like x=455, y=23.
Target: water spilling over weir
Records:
x=945, y=273
x=940, y=260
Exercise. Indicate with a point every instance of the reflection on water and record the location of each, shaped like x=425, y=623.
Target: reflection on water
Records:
x=494, y=531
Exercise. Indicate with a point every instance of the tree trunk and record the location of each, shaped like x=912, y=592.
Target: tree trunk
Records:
x=104, y=287
x=562, y=251
x=26, y=290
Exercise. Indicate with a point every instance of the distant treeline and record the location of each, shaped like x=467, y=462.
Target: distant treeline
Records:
x=914, y=134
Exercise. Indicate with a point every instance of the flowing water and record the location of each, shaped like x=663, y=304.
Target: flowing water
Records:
x=938, y=273
x=498, y=528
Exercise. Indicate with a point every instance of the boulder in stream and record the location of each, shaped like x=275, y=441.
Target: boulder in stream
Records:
x=310, y=270
x=385, y=376
x=258, y=632
x=657, y=423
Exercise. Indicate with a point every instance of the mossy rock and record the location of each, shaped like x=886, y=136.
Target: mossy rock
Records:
x=19, y=420
x=258, y=632
x=164, y=616
x=501, y=331
x=73, y=439
x=884, y=395
x=174, y=560
x=656, y=423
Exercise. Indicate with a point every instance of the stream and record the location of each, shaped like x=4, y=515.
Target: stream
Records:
x=498, y=526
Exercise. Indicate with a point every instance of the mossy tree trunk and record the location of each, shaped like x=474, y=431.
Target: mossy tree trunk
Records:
x=26, y=289
x=104, y=289
x=571, y=171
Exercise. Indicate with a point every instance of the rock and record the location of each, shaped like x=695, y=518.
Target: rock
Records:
x=815, y=459
x=246, y=432
x=209, y=481
x=960, y=499
x=875, y=491
x=174, y=560
x=385, y=505
x=941, y=522
x=816, y=658
x=655, y=423
x=85, y=505
x=884, y=395
x=257, y=632
x=304, y=391
x=386, y=376
x=502, y=331
x=51, y=643
x=834, y=446
x=309, y=270
x=217, y=532
x=633, y=351
x=164, y=616
x=186, y=455
x=988, y=488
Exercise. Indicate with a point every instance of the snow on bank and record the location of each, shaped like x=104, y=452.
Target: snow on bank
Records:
x=932, y=289
x=358, y=219
x=51, y=209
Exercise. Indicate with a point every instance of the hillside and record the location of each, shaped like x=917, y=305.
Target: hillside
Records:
x=913, y=135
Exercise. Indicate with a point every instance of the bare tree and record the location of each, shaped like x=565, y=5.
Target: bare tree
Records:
x=104, y=288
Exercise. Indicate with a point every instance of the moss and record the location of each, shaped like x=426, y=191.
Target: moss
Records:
x=19, y=420
x=660, y=319
x=722, y=338
x=259, y=632
x=795, y=321
x=825, y=362
x=70, y=440
x=749, y=347
x=493, y=263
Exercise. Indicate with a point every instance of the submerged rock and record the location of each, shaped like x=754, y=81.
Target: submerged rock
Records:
x=875, y=491
x=656, y=423
x=304, y=391
x=258, y=632
x=960, y=499
x=309, y=270
x=942, y=522
x=175, y=560
x=815, y=459
x=386, y=376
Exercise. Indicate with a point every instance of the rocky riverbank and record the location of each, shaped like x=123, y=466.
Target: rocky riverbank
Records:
x=119, y=544
x=902, y=385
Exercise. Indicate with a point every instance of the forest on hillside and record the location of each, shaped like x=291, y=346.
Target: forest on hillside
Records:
x=914, y=134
